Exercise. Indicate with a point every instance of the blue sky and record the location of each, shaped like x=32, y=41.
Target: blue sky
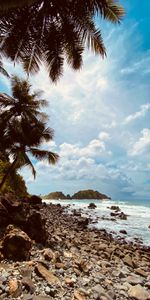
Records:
x=101, y=115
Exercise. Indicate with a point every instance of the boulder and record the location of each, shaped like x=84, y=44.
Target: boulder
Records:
x=123, y=231
x=76, y=213
x=35, y=200
x=16, y=244
x=114, y=207
x=35, y=227
x=10, y=203
x=92, y=206
x=4, y=216
x=119, y=215
x=122, y=216
x=11, y=211
x=83, y=222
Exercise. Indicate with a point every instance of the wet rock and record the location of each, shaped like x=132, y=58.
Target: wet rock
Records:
x=122, y=216
x=119, y=215
x=16, y=244
x=123, y=231
x=92, y=206
x=114, y=207
x=76, y=213
x=83, y=222
x=139, y=293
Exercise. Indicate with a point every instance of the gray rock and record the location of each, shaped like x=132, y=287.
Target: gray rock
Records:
x=139, y=293
x=132, y=279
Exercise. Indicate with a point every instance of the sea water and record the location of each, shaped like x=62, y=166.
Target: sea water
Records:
x=136, y=225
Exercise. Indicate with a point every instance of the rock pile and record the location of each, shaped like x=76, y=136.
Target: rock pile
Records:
x=75, y=263
x=117, y=213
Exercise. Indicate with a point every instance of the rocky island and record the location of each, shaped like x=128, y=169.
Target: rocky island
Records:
x=83, y=194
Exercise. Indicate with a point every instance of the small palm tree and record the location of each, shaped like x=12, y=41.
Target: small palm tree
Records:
x=23, y=103
x=52, y=31
x=22, y=127
x=24, y=138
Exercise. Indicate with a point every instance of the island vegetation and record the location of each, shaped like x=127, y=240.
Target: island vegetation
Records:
x=84, y=194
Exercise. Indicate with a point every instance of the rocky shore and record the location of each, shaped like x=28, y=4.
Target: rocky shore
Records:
x=47, y=254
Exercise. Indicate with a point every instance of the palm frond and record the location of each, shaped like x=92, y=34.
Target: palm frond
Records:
x=95, y=42
x=114, y=12
x=3, y=71
x=52, y=31
x=5, y=100
x=31, y=63
x=51, y=157
x=24, y=160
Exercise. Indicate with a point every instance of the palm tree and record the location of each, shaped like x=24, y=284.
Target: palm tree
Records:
x=25, y=138
x=23, y=102
x=52, y=31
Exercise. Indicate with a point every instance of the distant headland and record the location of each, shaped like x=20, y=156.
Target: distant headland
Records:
x=83, y=194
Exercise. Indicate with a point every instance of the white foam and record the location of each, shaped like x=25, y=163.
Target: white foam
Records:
x=136, y=224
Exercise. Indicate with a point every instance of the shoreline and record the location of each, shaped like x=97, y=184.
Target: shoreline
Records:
x=133, y=228
x=81, y=263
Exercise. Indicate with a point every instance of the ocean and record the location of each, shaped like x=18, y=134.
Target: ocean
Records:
x=136, y=224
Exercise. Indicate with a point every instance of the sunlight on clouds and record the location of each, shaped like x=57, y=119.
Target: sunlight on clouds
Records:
x=142, y=145
x=104, y=135
x=92, y=113
x=139, y=114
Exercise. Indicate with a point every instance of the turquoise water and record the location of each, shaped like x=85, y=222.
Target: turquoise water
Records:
x=136, y=224
x=145, y=203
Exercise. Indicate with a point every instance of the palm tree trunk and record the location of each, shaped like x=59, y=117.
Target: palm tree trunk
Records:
x=8, y=173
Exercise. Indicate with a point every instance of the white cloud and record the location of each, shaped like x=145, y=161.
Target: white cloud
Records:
x=88, y=111
x=142, y=145
x=110, y=125
x=139, y=114
x=141, y=65
x=95, y=148
x=104, y=136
